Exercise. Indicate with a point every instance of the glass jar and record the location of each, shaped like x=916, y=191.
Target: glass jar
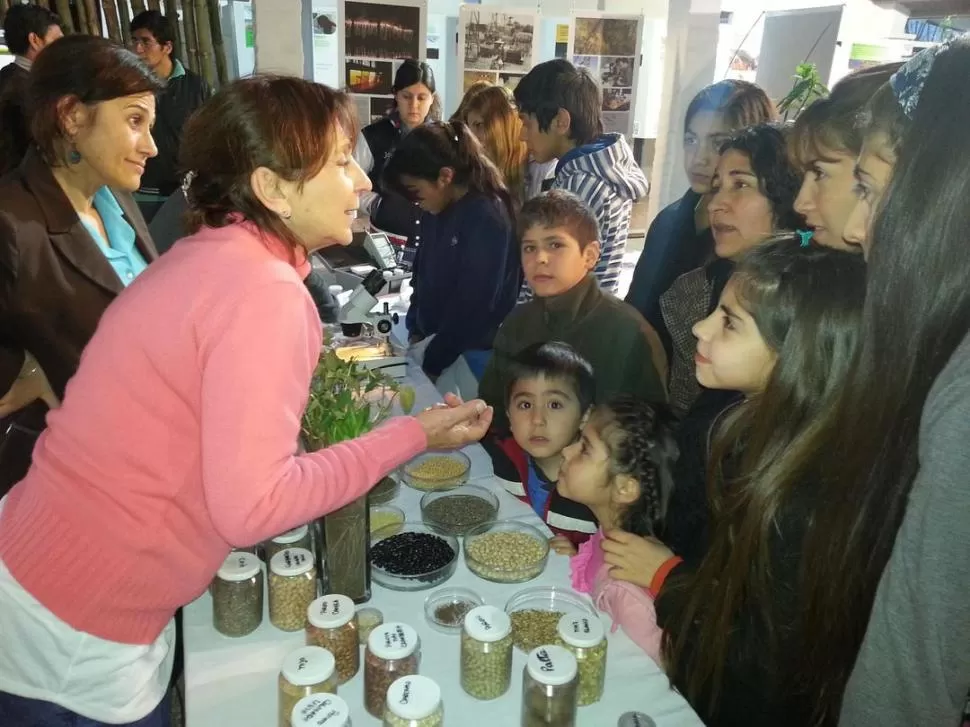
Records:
x=393, y=651
x=321, y=710
x=635, y=719
x=237, y=595
x=550, y=686
x=368, y=619
x=585, y=637
x=486, y=653
x=292, y=587
x=414, y=701
x=295, y=538
x=307, y=670
x=332, y=624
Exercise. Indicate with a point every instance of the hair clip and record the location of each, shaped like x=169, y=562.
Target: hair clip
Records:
x=806, y=236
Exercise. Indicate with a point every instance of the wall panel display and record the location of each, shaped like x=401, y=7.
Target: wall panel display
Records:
x=375, y=36
x=609, y=47
x=495, y=45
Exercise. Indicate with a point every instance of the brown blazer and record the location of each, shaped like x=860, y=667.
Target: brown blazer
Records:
x=55, y=281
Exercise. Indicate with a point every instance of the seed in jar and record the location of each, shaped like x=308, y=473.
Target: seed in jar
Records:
x=409, y=554
x=532, y=628
x=591, y=663
x=459, y=513
x=368, y=619
x=437, y=469
x=237, y=606
x=378, y=677
x=506, y=556
x=486, y=669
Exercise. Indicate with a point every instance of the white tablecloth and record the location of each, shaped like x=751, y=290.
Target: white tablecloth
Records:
x=233, y=682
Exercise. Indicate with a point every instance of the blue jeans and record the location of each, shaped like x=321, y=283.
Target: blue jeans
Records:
x=24, y=712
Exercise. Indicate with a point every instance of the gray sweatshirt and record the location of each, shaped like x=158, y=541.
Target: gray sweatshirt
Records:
x=914, y=666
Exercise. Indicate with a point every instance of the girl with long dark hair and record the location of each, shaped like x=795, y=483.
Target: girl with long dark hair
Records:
x=730, y=644
x=891, y=547
x=467, y=271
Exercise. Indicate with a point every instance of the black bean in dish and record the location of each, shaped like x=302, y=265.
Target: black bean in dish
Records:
x=412, y=557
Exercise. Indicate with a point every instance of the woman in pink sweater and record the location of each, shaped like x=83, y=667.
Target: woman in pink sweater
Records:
x=177, y=436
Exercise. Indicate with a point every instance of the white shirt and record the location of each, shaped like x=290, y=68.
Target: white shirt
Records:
x=42, y=657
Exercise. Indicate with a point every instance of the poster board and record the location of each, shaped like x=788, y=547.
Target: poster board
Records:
x=324, y=15
x=498, y=45
x=374, y=37
x=796, y=36
x=609, y=46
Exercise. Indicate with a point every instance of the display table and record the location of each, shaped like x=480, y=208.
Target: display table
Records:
x=233, y=682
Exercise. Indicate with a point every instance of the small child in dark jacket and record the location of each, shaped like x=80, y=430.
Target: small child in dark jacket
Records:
x=549, y=398
x=466, y=270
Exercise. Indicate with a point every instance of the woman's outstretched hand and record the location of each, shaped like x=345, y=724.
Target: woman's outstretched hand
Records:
x=454, y=424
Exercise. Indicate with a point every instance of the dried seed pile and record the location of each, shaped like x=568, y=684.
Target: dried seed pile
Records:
x=436, y=472
x=506, y=557
x=411, y=554
x=532, y=628
x=457, y=514
x=453, y=614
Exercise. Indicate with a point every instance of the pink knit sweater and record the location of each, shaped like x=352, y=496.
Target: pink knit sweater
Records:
x=177, y=439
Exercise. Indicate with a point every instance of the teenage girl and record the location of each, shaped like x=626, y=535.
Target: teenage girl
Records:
x=467, y=272
x=492, y=117
x=619, y=469
x=679, y=239
x=825, y=142
x=415, y=102
x=732, y=642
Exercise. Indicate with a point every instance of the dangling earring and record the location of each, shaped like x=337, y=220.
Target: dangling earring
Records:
x=74, y=157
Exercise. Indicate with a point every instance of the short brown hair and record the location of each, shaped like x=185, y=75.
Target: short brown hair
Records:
x=832, y=124
x=283, y=123
x=558, y=208
x=85, y=67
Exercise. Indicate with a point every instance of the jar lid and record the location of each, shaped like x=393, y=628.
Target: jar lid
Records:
x=581, y=631
x=308, y=666
x=320, y=710
x=413, y=697
x=291, y=536
x=392, y=641
x=331, y=612
x=552, y=665
x=292, y=562
x=487, y=623
x=635, y=719
x=239, y=567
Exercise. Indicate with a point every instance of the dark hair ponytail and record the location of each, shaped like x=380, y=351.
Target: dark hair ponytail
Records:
x=639, y=435
x=428, y=149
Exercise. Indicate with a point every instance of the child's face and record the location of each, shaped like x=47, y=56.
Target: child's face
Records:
x=702, y=145
x=552, y=260
x=731, y=354
x=741, y=216
x=584, y=475
x=433, y=196
x=826, y=199
x=544, y=415
x=542, y=145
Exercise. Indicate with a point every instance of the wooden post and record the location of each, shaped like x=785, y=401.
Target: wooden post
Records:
x=203, y=32
x=172, y=13
x=94, y=20
x=64, y=11
x=191, y=44
x=219, y=48
x=110, y=10
x=82, y=17
x=154, y=5
x=124, y=18
x=4, y=6
x=137, y=6
x=43, y=3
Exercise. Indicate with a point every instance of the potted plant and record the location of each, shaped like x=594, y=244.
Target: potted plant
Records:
x=807, y=87
x=346, y=401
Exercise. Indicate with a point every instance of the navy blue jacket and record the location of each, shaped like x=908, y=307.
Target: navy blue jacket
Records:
x=467, y=276
x=672, y=248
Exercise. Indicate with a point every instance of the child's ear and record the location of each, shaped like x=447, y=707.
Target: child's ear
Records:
x=561, y=123
x=585, y=417
x=626, y=489
x=591, y=254
x=446, y=176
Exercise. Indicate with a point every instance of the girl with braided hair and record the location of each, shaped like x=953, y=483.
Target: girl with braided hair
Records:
x=620, y=469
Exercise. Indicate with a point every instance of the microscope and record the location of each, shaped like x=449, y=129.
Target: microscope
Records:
x=366, y=335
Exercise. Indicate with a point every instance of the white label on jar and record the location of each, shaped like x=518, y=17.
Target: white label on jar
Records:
x=320, y=710
x=393, y=641
x=414, y=697
x=487, y=623
x=331, y=612
x=581, y=631
x=552, y=665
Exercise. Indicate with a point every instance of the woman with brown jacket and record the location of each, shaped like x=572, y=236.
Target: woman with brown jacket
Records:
x=71, y=237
